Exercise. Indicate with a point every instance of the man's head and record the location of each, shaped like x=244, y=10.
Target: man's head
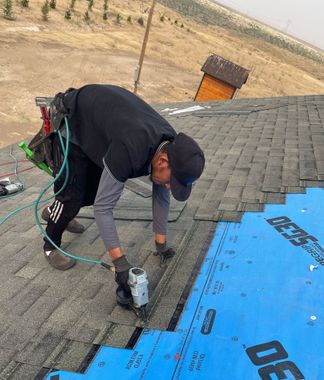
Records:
x=178, y=165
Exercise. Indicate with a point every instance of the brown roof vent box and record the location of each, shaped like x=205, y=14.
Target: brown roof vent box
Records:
x=221, y=79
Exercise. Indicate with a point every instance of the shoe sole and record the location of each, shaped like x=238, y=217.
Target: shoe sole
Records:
x=65, y=267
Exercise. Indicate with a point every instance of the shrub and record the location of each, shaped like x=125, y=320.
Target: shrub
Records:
x=162, y=18
x=7, y=10
x=90, y=5
x=129, y=19
x=118, y=18
x=140, y=21
x=45, y=10
x=72, y=5
x=68, y=14
x=105, y=8
x=24, y=3
x=52, y=4
x=86, y=17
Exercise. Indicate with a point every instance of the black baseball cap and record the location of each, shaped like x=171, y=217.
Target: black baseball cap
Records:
x=187, y=162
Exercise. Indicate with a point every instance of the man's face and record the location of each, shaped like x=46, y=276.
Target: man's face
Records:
x=161, y=171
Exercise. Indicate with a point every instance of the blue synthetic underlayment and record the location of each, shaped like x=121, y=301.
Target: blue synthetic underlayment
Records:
x=256, y=308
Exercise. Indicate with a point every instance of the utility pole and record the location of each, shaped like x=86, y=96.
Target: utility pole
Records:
x=138, y=68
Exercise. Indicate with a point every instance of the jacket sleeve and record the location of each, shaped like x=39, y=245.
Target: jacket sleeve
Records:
x=108, y=194
x=160, y=208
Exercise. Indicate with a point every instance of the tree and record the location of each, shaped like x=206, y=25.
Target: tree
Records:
x=7, y=10
x=52, y=4
x=45, y=10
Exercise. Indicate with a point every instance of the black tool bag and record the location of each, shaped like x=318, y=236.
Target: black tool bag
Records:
x=42, y=144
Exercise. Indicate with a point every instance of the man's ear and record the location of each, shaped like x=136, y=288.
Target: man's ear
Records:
x=163, y=159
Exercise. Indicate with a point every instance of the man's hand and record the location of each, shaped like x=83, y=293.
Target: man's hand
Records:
x=164, y=252
x=122, y=267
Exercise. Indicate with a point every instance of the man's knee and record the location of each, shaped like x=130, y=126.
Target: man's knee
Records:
x=64, y=210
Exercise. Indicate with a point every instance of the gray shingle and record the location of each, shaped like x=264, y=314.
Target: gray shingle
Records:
x=256, y=150
x=40, y=347
x=19, y=371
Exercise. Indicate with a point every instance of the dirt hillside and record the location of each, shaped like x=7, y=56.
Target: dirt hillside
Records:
x=40, y=58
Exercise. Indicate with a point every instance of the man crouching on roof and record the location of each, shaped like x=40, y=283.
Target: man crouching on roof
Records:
x=114, y=136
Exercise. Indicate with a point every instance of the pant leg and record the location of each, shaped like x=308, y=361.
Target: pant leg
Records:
x=68, y=203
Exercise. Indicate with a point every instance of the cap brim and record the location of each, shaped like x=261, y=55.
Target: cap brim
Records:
x=180, y=192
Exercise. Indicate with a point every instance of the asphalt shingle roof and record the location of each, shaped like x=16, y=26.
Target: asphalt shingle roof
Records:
x=256, y=150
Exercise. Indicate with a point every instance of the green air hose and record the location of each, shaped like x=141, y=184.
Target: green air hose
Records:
x=16, y=211
x=65, y=166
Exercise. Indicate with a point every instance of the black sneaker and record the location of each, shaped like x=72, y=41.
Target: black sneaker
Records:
x=58, y=260
x=73, y=226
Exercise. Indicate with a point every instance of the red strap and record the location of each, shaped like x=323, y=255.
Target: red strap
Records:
x=46, y=120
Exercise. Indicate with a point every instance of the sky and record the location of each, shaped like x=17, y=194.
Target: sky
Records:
x=301, y=18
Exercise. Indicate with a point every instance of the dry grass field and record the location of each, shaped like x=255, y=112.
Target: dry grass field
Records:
x=40, y=58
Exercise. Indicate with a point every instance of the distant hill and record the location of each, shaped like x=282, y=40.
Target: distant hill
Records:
x=40, y=57
x=272, y=28
x=209, y=12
